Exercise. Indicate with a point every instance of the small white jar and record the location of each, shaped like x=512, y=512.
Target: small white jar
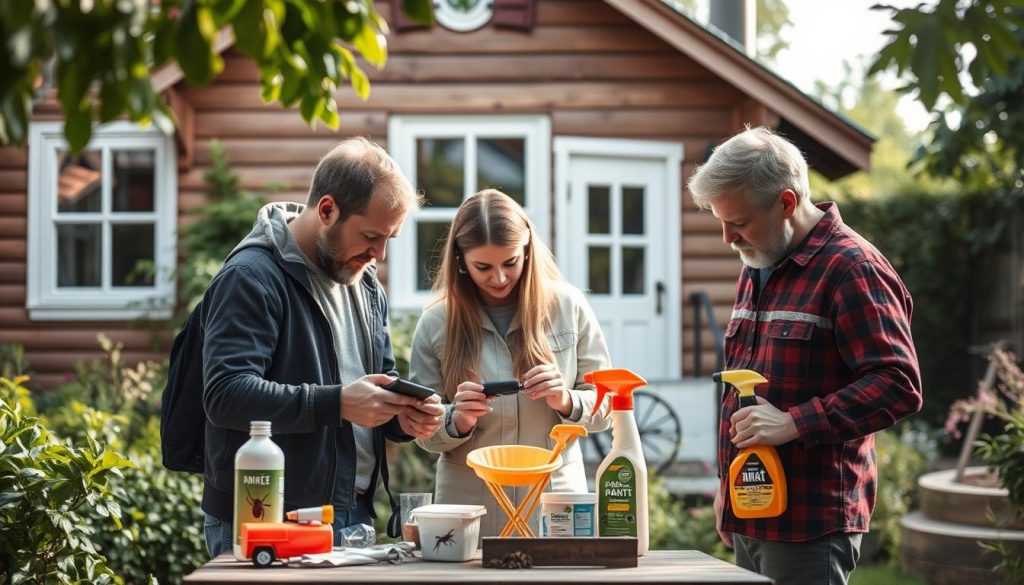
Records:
x=567, y=514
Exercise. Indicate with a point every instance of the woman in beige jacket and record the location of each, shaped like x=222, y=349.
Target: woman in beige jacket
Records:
x=505, y=313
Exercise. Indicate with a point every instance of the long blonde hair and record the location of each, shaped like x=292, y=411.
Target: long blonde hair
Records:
x=491, y=217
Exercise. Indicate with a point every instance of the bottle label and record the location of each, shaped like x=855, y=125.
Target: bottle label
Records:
x=259, y=497
x=616, y=493
x=753, y=486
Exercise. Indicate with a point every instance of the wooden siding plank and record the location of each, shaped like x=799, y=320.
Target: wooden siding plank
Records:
x=550, y=12
x=699, y=270
x=251, y=151
x=13, y=179
x=11, y=157
x=14, y=204
x=532, y=68
x=12, y=294
x=471, y=98
x=548, y=39
x=12, y=250
x=279, y=123
x=701, y=222
x=63, y=339
x=256, y=178
x=11, y=272
x=13, y=227
x=705, y=245
x=640, y=121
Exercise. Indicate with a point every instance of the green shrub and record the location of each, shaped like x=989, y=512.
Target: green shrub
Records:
x=48, y=487
x=674, y=526
x=904, y=453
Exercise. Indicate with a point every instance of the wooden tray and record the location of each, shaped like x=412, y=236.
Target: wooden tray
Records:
x=519, y=552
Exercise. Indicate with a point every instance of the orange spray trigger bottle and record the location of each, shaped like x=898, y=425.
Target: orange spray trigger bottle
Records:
x=757, y=483
x=621, y=480
x=620, y=382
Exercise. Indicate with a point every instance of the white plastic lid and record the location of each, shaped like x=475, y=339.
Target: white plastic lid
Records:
x=568, y=498
x=449, y=511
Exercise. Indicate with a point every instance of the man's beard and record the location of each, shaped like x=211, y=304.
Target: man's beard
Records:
x=327, y=255
x=776, y=249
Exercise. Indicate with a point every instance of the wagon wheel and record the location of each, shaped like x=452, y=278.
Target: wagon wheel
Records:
x=661, y=432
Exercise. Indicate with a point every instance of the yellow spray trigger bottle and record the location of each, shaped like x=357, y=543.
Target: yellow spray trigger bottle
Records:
x=757, y=483
x=621, y=481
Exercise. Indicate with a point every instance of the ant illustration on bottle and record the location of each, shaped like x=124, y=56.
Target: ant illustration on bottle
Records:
x=445, y=539
x=259, y=505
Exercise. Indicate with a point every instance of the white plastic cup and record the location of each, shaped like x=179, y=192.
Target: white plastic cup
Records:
x=448, y=532
x=566, y=514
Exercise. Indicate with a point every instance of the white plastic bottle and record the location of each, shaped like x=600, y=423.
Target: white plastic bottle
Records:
x=259, y=482
x=621, y=481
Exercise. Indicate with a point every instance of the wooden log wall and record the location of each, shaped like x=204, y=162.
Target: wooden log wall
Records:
x=587, y=66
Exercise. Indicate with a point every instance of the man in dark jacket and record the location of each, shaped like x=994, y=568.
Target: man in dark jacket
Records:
x=296, y=333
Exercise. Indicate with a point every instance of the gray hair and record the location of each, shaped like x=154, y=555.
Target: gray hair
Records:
x=758, y=162
x=352, y=172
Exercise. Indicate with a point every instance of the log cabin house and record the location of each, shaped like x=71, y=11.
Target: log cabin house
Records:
x=592, y=113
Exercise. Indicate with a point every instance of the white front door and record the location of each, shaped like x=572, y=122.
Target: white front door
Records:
x=618, y=240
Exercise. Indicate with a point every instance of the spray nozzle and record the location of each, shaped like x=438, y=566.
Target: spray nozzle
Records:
x=744, y=381
x=620, y=382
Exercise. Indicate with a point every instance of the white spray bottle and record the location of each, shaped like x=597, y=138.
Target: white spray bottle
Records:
x=621, y=481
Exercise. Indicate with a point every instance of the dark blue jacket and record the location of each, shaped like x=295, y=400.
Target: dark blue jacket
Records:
x=268, y=354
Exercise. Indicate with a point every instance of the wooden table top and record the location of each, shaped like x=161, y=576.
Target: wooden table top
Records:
x=657, y=566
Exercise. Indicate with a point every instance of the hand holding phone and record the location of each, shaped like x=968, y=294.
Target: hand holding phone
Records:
x=407, y=388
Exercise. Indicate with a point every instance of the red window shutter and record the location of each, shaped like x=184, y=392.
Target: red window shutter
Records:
x=521, y=14
x=399, y=21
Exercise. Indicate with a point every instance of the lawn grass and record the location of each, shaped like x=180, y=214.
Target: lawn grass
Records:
x=882, y=574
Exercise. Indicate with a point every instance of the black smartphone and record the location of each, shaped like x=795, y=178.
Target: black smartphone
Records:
x=408, y=388
x=502, y=388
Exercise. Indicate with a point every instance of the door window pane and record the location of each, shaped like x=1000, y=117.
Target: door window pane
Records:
x=132, y=262
x=599, y=260
x=501, y=164
x=429, y=247
x=79, y=181
x=133, y=182
x=632, y=210
x=440, y=170
x=632, y=270
x=598, y=209
x=78, y=255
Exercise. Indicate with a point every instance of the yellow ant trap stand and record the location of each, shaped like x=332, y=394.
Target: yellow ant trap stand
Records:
x=522, y=552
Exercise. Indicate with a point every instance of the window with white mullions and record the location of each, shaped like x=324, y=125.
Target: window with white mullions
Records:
x=448, y=158
x=101, y=224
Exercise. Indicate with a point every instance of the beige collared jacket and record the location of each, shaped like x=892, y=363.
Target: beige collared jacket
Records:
x=579, y=347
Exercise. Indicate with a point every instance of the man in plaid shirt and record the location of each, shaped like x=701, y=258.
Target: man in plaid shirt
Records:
x=825, y=318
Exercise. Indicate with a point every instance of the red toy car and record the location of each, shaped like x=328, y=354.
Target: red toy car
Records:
x=265, y=542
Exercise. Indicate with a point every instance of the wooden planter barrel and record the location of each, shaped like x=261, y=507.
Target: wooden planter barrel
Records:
x=940, y=542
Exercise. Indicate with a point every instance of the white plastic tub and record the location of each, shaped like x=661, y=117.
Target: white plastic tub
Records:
x=448, y=532
x=567, y=514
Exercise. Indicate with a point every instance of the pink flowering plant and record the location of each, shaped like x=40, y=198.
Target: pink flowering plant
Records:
x=1003, y=452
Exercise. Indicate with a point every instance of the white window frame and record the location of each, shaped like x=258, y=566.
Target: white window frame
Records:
x=403, y=131
x=46, y=301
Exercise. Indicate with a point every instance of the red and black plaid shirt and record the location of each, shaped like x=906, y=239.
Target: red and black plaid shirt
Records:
x=831, y=333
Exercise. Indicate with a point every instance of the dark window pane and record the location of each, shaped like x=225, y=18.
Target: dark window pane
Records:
x=501, y=164
x=132, y=263
x=80, y=181
x=632, y=271
x=134, y=178
x=598, y=261
x=598, y=209
x=429, y=247
x=632, y=210
x=78, y=255
x=440, y=165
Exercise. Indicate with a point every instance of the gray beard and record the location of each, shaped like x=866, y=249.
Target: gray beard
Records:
x=325, y=258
